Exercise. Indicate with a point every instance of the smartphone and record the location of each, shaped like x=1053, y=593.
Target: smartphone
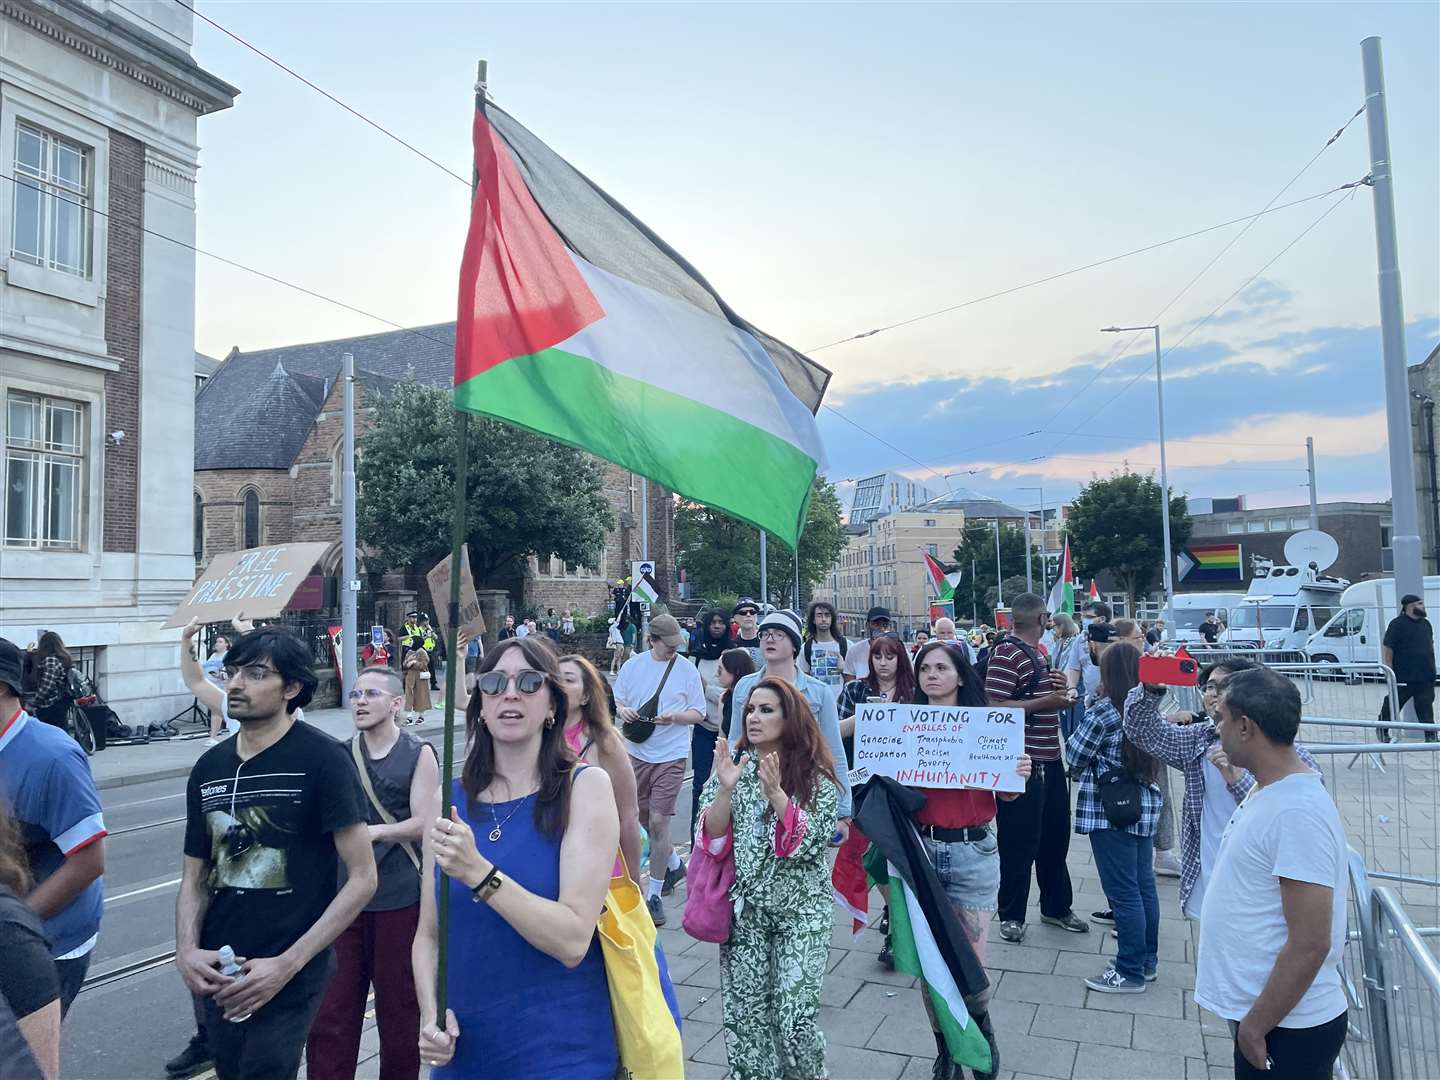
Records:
x=1177, y=670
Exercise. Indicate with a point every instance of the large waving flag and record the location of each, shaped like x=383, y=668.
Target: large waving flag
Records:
x=939, y=580
x=1062, y=595
x=579, y=323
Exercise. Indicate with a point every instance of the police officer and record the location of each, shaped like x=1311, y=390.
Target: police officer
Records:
x=412, y=636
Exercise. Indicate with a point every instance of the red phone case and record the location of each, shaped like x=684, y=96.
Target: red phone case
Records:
x=1178, y=670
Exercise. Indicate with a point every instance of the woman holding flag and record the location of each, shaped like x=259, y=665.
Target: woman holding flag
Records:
x=773, y=813
x=527, y=853
x=956, y=829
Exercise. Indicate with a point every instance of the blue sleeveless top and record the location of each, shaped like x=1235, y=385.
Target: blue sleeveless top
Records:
x=521, y=1012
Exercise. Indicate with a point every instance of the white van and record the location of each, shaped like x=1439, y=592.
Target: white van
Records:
x=1187, y=612
x=1283, y=608
x=1354, y=635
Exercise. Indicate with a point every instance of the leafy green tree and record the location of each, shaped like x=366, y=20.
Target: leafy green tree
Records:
x=977, y=592
x=1114, y=524
x=525, y=495
x=721, y=556
x=1014, y=586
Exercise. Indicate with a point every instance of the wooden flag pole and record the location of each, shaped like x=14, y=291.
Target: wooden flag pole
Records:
x=456, y=663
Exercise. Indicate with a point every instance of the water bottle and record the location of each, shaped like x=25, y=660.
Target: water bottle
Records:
x=229, y=967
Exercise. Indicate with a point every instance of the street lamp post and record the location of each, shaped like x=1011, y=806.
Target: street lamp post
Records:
x=1044, y=550
x=1169, y=584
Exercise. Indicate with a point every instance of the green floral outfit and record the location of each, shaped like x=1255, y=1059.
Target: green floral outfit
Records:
x=772, y=966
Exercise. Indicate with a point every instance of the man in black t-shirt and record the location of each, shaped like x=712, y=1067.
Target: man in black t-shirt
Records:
x=1409, y=650
x=270, y=815
x=1210, y=628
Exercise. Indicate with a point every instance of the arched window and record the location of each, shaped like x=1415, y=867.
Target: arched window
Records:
x=199, y=528
x=250, y=519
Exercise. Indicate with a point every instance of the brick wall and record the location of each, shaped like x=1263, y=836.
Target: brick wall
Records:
x=223, y=492
x=316, y=517
x=123, y=277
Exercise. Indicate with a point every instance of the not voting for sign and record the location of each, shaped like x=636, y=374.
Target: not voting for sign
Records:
x=941, y=746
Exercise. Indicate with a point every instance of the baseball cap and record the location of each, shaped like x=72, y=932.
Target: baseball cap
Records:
x=11, y=670
x=786, y=620
x=667, y=630
x=1409, y=598
x=877, y=613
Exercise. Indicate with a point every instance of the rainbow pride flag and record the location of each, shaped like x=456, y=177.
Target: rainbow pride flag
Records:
x=1211, y=562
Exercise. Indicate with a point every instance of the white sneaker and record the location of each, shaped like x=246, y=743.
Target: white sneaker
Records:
x=1166, y=864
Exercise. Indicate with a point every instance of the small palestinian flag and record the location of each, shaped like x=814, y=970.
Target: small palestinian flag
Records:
x=1062, y=596
x=579, y=323
x=939, y=580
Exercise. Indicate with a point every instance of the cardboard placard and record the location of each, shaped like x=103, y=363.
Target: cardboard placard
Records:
x=258, y=582
x=941, y=746
x=472, y=622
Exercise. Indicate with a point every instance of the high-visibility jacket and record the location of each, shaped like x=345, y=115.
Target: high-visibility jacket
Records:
x=412, y=633
x=430, y=641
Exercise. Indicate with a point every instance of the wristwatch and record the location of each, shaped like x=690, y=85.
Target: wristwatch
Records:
x=488, y=887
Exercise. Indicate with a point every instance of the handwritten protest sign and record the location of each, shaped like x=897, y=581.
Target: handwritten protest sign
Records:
x=258, y=582
x=471, y=621
x=941, y=746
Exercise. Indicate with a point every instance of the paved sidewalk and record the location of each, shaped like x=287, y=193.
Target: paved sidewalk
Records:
x=1047, y=1023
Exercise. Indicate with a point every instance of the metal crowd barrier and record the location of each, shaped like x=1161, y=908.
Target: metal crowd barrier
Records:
x=1392, y=983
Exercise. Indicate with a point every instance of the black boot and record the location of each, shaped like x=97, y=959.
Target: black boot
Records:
x=944, y=1067
x=192, y=1059
x=886, y=958
x=982, y=1021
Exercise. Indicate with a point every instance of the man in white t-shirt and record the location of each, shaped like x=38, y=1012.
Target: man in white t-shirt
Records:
x=658, y=750
x=857, y=658
x=1273, y=924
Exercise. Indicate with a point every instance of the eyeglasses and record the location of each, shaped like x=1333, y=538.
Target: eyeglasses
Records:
x=746, y=611
x=773, y=635
x=495, y=683
x=370, y=693
x=252, y=672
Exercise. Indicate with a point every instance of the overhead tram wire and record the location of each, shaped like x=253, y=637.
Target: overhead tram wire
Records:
x=1126, y=346
x=1249, y=218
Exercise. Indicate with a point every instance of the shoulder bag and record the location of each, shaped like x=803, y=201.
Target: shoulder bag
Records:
x=385, y=815
x=1119, y=797
x=637, y=731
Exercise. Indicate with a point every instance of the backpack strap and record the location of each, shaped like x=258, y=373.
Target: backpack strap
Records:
x=385, y=815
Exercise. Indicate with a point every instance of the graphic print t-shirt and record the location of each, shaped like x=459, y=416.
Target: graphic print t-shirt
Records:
x=266, y=828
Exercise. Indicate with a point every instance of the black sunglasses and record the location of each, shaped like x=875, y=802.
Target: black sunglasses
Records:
x=495, y=683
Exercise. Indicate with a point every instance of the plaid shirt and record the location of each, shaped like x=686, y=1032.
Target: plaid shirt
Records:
x=50, y=686
x=1094, y=748
x=1184, y=746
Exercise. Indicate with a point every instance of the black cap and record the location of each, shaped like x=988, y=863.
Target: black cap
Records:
x=1101, y=632
x=877, y=613
x=743, y=603
x=1408, y=599
x=11, y=669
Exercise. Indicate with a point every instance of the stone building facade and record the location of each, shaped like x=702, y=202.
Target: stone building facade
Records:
x=1424, y=398
x=100, y=103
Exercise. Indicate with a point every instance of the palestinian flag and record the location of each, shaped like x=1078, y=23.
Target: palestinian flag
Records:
x=939, y=580
x=579, y=323
x=1094, y=593
x=918, y=954
x=1062, y=596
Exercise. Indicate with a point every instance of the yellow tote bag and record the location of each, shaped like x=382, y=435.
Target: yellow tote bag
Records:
x=645, y=1030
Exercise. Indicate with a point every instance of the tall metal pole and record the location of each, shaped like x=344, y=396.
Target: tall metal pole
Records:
x=764, y=572
x=350, y=584
x=999, y=569
x=1409, y=575
x=1310, y=465
x=1164, y=493
x=1044, y=549
x=795, y=605
x=974, y=620
x=457, y=542
x=1029, y=575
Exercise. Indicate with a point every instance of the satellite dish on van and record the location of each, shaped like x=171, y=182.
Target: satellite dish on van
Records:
x=1312, y=546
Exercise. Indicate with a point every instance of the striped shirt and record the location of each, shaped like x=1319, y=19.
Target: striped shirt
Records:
x=1011, y=670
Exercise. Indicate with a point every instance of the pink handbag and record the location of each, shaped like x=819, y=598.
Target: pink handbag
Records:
x=708, y=910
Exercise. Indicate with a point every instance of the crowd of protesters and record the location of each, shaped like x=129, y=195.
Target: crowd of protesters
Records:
x=311, y=867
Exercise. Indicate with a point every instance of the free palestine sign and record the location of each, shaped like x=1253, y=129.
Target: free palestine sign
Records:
x=258, y=582
x=941, y=746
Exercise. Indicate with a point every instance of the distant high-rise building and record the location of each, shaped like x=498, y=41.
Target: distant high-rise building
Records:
x=884, y=493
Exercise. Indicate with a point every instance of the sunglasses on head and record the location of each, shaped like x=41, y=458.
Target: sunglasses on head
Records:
x=495, y=683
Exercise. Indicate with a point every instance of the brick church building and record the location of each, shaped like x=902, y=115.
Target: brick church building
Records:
x=268, y=427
